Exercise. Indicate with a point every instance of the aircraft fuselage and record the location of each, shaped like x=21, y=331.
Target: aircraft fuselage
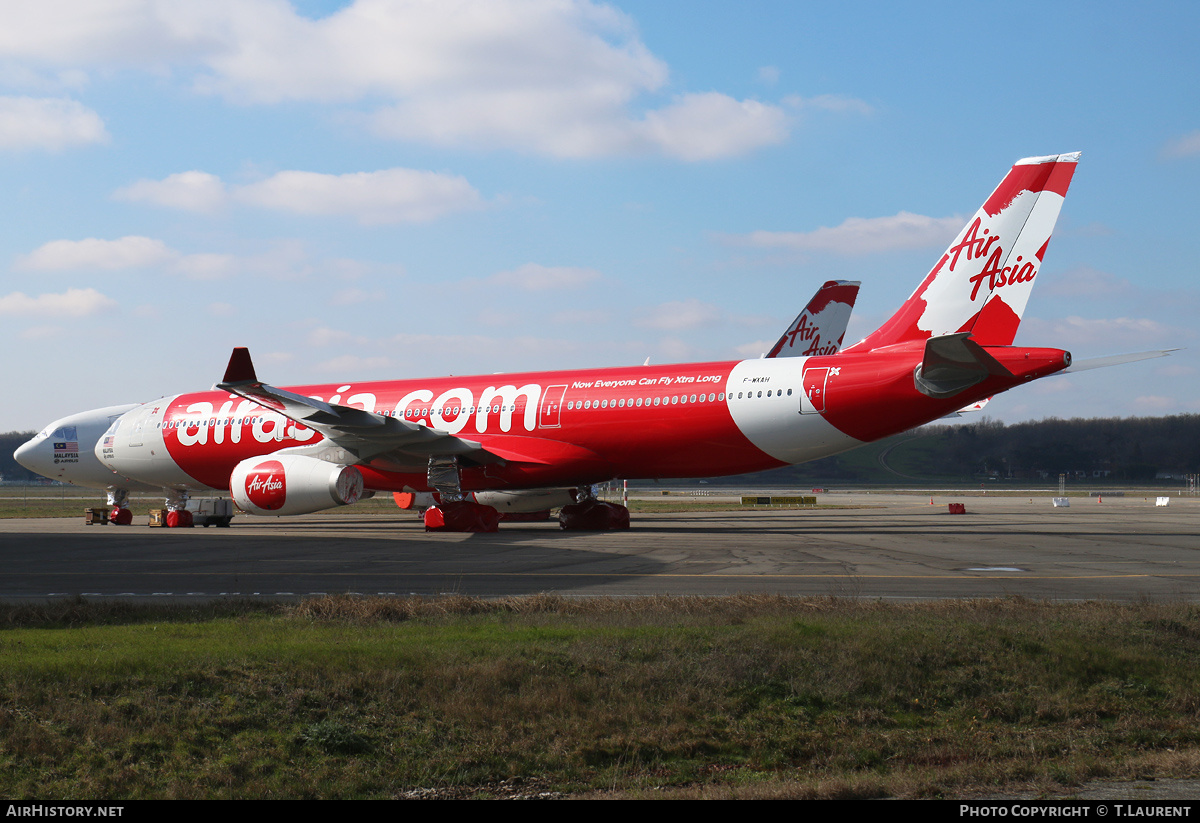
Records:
x=560, y=428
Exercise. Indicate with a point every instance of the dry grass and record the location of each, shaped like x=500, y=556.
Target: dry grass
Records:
x=749, y=696
x=372, y=609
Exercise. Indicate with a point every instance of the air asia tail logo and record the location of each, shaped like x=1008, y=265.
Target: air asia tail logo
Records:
x=976, y=247
x=266, y=486
x=808, y=333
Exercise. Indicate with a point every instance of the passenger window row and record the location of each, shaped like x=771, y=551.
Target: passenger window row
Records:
x=673, y=400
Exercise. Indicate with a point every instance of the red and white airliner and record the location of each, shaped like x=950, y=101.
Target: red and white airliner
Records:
x=308, y=448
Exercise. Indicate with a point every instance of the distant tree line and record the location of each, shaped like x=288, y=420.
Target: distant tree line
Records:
x=1136, y=449
x=1126, y=449
x=10, y=469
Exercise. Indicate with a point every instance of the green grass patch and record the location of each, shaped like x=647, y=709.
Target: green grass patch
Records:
x=734, y=697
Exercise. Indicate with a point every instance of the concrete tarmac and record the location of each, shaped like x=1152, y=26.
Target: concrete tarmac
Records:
x=891, y=547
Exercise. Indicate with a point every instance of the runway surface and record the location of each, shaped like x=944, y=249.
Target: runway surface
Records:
x=893, y=547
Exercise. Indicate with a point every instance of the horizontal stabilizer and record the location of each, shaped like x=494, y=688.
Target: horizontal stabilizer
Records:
x=968, y=409
x=1114, y=360
x=954, y=363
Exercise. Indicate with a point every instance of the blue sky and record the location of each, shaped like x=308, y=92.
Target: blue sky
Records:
x=376, y=189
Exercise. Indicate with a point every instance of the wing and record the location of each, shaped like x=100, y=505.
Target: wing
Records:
x=384, y=442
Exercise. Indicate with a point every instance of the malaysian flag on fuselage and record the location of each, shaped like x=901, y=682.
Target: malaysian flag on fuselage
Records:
x=66, y=440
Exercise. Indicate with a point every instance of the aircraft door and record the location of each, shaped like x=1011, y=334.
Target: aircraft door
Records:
x=135, y=435
x=812, y=395
x=549, y=415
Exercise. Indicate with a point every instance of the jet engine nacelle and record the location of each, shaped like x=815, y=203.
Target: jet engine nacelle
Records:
x=285, y=484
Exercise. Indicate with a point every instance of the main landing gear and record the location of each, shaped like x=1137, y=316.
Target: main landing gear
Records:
x=178, y=516
x=454, y=513
x=590, y=514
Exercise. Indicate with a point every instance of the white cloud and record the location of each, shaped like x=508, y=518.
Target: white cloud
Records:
x=287, y=261
x=1107, y=328
x=756, y=349
x=1185, y=146
x=534, y=277
x=190, y=190
x=569, y=78
x=439, y=352
x=350, y=297
x=861, y=235
x=1087, y=283
x=681, y=315
x=1087, y=337
x=1103, y=327
x=483, y=352
x=205, y=266
x=674, y=350
x=571, y=122
x=71, y=303
x=678, y=315
x=581, y=317
x=113, y=33
x=387, y=196
x=350, y=364
x=325, y=336
x=15, y=76
x=404, y=49
x=47, y=123
x=554, y=122
x=92, y=253
x=708, y=126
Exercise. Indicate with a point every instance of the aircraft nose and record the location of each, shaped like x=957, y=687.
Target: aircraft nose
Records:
x=26, y=455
